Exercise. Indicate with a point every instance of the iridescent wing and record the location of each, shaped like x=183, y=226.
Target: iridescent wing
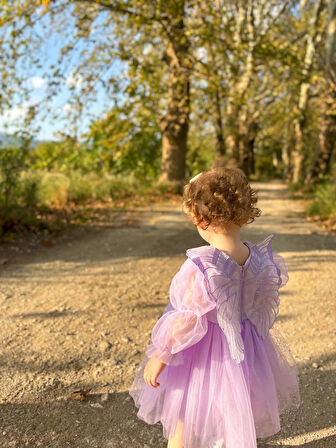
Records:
x=272, y=274
x=223, y=279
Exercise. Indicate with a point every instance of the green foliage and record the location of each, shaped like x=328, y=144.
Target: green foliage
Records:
x=29, y=184
x=268, y=152
x=40, y=188
x=111, y=186
x=47, y=190
x=90, y=186
x=53, y=190
x=127, y=141
x=324, y=201
x=264, y=166
x=62, y=156
x=12, y=163
x=240, y=69
x=200, y=151
x=82, y=187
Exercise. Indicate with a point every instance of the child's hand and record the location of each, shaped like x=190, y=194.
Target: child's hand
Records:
x=152, y=370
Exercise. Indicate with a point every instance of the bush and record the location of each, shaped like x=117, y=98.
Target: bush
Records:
x=12, y=163
x=81, y=187
x=101, y=187
x=29, y=184
x=324, y=202
x=53, y=190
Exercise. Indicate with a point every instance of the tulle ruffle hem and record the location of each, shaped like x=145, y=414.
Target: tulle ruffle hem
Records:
x=216, y=402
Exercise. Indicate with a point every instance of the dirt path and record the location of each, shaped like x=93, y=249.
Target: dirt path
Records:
x=79, y=314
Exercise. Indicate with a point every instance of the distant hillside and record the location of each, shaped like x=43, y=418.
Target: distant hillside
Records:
x=6, y=140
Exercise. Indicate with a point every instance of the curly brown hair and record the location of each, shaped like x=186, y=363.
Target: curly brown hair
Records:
x=220, y=196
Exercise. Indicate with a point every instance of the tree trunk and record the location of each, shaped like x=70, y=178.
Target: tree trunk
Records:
x=328, y=131
x=174, y=127
x=252, y=135
x=232, y=132
x=327, y=136
x=288, y=143
x=298, y=152
x=174, y=124
x=248, y=130
x=220, y=148
x=237, y=129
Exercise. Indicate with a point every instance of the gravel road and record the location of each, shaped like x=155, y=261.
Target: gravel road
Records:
x=77, y=314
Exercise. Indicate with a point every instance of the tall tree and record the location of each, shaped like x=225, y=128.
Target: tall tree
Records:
x=162, y=22
x=241, y=44
x=174, y=123
x=327, y=136
x=305, y=83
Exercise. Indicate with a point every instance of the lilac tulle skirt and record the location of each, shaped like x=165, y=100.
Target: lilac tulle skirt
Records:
x=212, y=401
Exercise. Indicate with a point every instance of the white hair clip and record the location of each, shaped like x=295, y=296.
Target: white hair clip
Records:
x=195, y=177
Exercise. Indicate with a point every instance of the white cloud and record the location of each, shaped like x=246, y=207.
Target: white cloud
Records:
x=74, y=80
x=16, y=112
x=36, y=81
x=19, y=111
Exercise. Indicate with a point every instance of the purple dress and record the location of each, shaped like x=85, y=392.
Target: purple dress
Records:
x=229, y=374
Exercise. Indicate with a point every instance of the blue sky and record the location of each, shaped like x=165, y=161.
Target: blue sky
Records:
x=37, y=85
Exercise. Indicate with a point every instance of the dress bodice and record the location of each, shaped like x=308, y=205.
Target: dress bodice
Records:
x=242, y=292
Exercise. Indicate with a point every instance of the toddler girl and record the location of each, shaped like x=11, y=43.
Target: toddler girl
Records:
x=216, y=374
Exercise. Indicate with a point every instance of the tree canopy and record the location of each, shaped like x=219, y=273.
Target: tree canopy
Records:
x=251, y=73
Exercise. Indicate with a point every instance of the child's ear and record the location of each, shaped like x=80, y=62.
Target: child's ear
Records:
x=203, y=225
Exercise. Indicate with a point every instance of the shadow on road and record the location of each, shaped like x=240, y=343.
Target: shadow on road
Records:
x=110, y=420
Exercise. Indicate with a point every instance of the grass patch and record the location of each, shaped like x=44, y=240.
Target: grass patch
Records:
x=50, y=201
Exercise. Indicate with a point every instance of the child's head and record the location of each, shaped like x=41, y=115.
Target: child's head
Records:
x=220, y=197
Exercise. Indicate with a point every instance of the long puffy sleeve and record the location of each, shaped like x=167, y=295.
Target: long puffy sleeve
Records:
x=183, y=323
